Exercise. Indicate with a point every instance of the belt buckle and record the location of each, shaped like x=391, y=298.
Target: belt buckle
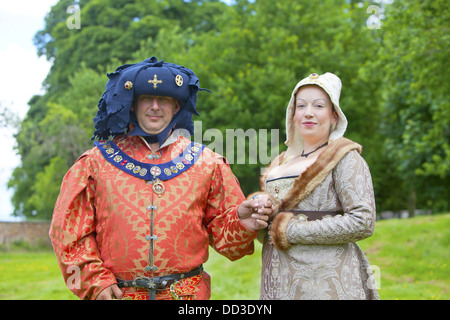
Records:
x=151, y=283
x=174, y=295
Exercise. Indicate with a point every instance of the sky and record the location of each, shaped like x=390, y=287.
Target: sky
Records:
x=22, y=73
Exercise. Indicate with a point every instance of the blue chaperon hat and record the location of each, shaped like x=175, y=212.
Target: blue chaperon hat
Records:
x=149, y=77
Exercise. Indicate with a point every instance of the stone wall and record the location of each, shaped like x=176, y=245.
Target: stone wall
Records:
x=31, y=232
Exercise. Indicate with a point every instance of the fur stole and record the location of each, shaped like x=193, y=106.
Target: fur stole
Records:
x=305, y=184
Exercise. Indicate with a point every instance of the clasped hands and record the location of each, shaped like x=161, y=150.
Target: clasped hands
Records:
x=256, y=212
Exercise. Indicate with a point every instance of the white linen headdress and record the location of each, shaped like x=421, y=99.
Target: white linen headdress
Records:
x=332, y=86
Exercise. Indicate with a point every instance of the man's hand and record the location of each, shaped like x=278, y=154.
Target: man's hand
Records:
x=110, y=293
x=254, y=213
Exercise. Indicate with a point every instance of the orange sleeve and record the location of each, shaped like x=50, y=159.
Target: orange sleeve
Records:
x=227, y=235
x=72, y=233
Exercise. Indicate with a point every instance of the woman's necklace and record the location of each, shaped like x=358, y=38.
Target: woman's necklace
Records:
x=307, y=154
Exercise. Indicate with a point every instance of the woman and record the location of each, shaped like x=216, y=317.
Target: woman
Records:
x=324, y=194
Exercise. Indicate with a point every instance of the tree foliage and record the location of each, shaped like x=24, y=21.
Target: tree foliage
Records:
x=251, y=54
x=415, y=105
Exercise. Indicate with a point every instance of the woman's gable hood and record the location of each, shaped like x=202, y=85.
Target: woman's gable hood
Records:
x=332, y=86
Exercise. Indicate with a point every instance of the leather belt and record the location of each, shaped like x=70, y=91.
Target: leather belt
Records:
x=155, y=284
x=315, y=215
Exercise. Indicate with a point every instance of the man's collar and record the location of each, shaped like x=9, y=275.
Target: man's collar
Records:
x=173, y=137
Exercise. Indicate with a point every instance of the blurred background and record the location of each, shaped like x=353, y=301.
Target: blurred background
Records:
x=392, y=57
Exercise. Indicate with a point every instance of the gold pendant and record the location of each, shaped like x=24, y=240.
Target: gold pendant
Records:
x=158, y=187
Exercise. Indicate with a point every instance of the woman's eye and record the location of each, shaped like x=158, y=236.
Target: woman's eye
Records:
x=300, y=106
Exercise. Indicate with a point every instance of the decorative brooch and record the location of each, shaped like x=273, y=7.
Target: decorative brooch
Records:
x=179, y=80
x=128, y=85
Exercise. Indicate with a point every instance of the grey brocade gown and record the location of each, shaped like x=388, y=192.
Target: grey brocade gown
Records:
x=324, y=262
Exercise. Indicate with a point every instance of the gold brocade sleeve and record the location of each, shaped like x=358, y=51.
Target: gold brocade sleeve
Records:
x=73, y=233
x=228, y=236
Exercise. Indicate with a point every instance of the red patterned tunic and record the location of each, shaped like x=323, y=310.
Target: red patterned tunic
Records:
x=103, y=216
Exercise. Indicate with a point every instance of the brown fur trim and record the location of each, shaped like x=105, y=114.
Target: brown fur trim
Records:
x=317, y=172
x=278, y=230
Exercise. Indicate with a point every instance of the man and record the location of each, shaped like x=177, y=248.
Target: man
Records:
x=136, y=213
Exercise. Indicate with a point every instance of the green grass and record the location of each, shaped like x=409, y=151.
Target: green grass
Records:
x=31, y=276
x=412, y=256
x=237, y=280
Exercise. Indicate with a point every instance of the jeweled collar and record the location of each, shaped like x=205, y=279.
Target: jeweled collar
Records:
x=147, y=171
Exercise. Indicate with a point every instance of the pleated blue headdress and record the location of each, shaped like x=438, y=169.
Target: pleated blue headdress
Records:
x=149, y=77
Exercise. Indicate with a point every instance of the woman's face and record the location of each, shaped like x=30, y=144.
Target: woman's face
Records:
x=314, y=113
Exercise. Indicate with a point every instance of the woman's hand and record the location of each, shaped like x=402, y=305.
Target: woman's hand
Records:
x=254, y=213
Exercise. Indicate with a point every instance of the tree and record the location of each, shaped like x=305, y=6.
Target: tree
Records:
x=58, y=126
x=51, y=138
x=251, y=54
x=264, y=48
x=415, y=99
x=113, y=30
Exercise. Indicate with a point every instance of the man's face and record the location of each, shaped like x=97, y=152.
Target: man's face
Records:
x=154, y=113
